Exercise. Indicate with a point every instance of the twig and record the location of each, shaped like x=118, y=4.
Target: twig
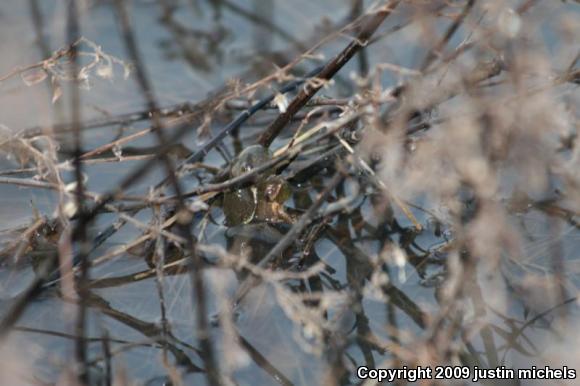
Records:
x=33, y=290
x=183, y=223
x=240, y=119
x=367, y=30
x=73, y=34
x=365, y=166
x=118, y=142
x=435, y=51
x=290, y=236
x=264, y=22
x=28, y=183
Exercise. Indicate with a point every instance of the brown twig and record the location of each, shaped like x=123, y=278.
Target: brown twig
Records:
x=73, y=34
x=290, y=236
x=436, y=51
x=373, y=21
x=184, y=223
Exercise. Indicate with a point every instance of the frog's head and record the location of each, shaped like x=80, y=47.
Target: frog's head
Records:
x=249, y=159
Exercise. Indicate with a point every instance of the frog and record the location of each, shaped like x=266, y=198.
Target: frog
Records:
x=263, y=201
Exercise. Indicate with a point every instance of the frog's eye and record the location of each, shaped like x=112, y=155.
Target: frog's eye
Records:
x=272, y=191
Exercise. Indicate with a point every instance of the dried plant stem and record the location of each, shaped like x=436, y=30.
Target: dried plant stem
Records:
x=28, y=183
x=290, y=236
x=118, y=142
x=436, y=50
x=73, y=34
x=240, y=120
x=365, y=166
x=183, y=223
x=371, y=24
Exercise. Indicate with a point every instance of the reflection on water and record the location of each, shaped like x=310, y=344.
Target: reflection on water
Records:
x=360, y=285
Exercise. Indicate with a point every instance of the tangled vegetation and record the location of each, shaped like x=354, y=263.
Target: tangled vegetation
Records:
x=395, y=186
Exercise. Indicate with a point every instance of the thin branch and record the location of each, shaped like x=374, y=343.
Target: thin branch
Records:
x=371, y=24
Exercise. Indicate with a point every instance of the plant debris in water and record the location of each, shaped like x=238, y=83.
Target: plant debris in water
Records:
x=379, y=186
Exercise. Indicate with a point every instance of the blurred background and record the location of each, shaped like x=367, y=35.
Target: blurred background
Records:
x=488, y=168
